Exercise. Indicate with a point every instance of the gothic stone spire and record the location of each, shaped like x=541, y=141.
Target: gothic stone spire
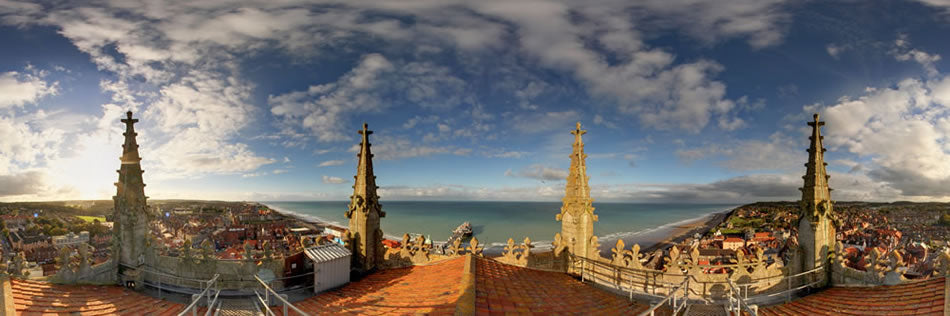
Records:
x=577, y=213
x=816, y=231
x=130, y=200
x=815, y=192
x=364, y=212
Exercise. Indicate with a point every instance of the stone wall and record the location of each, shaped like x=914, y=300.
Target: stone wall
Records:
x=233, y=274
x=79, y=269
x=880, y=268
x=625, y=271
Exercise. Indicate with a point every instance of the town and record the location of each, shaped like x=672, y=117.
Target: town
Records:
x=919, y=232
x=42, y=232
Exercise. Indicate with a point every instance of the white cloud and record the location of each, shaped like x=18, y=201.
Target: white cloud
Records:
x=903, y=52
x=778, y=153
x=30, y=182
x=390, y=148
x=177, y=64
x=18, y=89
x=331, y=163
x=536, y=122
x=322, y=108
x=332, y=180
x=835, y=50
x=903, y=130
x=539, y=172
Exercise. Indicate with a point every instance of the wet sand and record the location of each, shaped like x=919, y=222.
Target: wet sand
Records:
x=681, y=232
x=649, y=241
x=665, y=237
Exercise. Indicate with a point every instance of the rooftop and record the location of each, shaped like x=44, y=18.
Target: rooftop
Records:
x=438, y=289
x=41, y=298
x=917, y=298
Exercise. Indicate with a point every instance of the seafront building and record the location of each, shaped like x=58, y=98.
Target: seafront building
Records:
x=809, y=277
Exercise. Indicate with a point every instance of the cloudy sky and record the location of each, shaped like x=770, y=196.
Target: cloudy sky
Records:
x=683, y=100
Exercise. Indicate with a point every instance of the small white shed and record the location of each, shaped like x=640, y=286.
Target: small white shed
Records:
x=331, y=266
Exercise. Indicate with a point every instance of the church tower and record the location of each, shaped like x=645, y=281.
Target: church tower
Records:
x=130, y=210
x=816, y=232
x=365, y=236
x=577, y=212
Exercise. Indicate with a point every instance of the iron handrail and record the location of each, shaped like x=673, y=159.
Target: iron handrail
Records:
x=672, y=299
x=734, y=296
x=197, y=297
x=269, y=291
x=165, y=274
x=264, y=304
x=623, y=278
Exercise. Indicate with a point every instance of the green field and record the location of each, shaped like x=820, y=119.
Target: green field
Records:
x=89, y=219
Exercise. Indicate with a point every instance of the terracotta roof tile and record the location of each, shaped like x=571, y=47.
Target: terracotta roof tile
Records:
x=505, y=288
x=431, y=289
x=36, y=298
x=917, y=298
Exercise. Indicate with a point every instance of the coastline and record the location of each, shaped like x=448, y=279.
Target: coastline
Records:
x=682, y=232
x=650, y=240
x=663, y=237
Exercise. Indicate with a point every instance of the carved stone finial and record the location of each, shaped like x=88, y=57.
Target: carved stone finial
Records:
x=130, y=209
x=474, y=248
x=364, y=210
x=577, y=212
x=816, y=228
x=559, y=244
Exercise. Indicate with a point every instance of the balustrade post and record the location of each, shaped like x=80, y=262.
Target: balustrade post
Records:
x=788, y=294
x=583, y=274
x=617, y=278
x=631, y=288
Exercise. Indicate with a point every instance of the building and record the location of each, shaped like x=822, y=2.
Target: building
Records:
x=331, y=266
x=70, y=239
x=25, y=242
x=733, y=243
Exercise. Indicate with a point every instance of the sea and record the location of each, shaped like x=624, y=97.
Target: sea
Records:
x=494, y=222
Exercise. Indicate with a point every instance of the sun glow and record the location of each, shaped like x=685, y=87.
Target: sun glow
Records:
x=90, y=173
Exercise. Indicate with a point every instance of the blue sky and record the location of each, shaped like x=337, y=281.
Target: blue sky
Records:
x=683, y=100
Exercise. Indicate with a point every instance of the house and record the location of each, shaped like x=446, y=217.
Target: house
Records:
x=70, y=239
x=733, y=243
x=24, y=242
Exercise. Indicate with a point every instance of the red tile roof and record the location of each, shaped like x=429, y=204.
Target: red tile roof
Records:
x=503, y=288
x=36, y=298
x=917, y=298
x=436, y=289
x=430, y=289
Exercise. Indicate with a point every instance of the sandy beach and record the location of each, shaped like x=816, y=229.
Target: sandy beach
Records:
x=681, y=232
x=650, y=239
x=664, y=237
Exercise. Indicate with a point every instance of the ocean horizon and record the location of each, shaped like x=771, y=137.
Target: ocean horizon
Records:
x=494, y=222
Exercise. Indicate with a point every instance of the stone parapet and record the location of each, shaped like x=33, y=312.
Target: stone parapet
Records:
x=7, y=307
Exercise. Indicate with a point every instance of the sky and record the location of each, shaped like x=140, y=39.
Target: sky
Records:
x=682, y=100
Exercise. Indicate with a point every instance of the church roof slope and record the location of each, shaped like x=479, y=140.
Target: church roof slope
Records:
x=431, y=289
x=917, y=298
x=503, y=288
x=41, y=298
x=436, y=289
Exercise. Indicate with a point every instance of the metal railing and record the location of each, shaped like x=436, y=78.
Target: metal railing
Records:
x=737, y=303
x=791, y=289
x=265, y=300
x=211, y=301
x=676, y=306
x=650, y=282
x=165, y=282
